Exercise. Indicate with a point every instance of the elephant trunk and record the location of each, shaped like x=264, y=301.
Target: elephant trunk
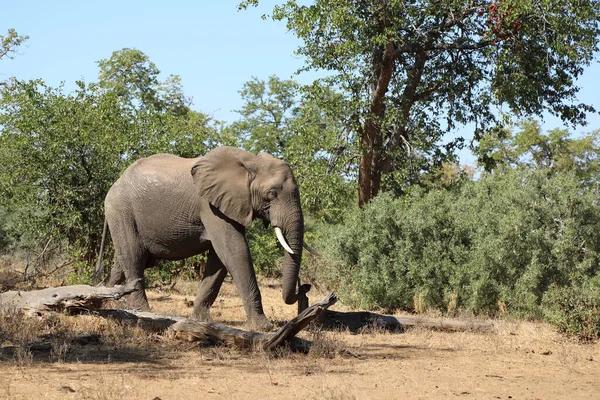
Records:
x=292, y=226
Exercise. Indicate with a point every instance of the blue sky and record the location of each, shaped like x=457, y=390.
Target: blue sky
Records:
x=212, y=46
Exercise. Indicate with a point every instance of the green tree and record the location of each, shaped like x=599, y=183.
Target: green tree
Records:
x=60, y=152
x=134, y=78
x=8, y=48
x=288, y=121
x=526, y=145
x=414, y=70
x=4, y=237
x=268, y=107
x=523, y=243
x=166, y=123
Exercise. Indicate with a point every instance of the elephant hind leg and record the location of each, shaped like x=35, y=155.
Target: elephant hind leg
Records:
x=214, y=274
x=117, y=276
x=131, y=259
x=138, y=299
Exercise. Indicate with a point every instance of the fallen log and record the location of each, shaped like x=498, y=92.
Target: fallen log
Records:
x=355, y=321
x=217, y=333
x=64, y=298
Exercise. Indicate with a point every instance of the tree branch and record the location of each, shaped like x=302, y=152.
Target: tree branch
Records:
x=415, y=47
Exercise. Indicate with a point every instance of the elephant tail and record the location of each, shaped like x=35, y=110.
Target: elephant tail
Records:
x=99, y=271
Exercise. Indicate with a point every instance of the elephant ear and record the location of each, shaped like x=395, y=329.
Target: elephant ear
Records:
x=223, y=179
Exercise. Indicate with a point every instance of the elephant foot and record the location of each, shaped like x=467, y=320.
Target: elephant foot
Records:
x=260, y=323
x=137, y=304
x=202, y=314
x=139, y=307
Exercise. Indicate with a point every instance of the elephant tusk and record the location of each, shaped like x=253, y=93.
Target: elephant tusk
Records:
x=310, y=249
x=282, y=240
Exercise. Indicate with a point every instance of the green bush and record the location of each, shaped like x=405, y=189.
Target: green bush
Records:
x=495, y=245
x=165, y=271
x=265, y=250
x=575, y=310
x=267, y=253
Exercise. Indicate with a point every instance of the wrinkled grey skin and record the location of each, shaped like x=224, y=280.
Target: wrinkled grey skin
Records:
x=167, y=207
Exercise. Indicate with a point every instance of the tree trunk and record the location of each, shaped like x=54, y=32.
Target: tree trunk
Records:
x=84, y=298
x=365, y=166
x=369, y=174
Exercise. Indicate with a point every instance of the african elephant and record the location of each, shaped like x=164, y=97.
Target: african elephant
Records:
x=168, y=207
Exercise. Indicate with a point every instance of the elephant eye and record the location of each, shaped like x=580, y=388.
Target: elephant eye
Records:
x=272, y=194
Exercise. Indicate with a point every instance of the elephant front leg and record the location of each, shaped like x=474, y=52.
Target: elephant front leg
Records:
x=234, y=253
x=246, y=284
x=214, y=274
x=230, y=246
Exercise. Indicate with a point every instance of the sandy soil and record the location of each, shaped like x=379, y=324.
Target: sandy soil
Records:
x=515, y=360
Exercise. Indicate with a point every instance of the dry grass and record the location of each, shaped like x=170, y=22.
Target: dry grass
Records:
x=518, y=359
x=10, y=274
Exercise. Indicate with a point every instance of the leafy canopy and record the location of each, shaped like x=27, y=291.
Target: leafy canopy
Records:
x=135, y=79
x=60, y=152
x=558, y=151
x=413, y=71
x=289, y=121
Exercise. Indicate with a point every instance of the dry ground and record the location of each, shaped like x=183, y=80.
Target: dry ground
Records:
x=515, y=360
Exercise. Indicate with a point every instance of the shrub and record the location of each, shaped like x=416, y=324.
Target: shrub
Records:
x=165, y=271
x=575, y=310
x=267, y=253
x=499, y=244
x=265, y=250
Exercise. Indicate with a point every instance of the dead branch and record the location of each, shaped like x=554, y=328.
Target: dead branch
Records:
x=294, y=326
x=51, y=272
x=84, y=298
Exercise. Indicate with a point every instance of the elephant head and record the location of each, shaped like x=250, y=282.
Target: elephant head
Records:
x=243, y=187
